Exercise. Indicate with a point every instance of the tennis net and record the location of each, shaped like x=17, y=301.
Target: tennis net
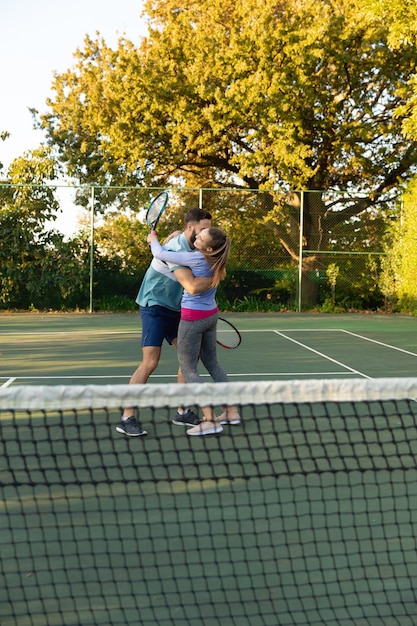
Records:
x=305, y=513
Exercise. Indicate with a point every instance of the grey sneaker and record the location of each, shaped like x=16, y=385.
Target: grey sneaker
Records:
x=188, y=419
x=130, y=427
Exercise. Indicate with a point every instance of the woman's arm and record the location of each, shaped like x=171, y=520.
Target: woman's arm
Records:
x=192, y=284
x=179, y=258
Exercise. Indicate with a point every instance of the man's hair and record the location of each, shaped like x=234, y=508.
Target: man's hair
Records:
x=196, y=215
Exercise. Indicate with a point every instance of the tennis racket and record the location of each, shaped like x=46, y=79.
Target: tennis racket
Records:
x=155, y=209
x=227, y=335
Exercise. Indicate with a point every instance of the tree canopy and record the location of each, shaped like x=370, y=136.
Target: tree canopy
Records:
x=301, y=106
x=297, y=95
x=401, y=19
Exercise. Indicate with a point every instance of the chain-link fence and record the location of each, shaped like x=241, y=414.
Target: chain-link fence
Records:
x=296, y=251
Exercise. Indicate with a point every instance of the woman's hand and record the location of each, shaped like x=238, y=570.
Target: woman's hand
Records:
x=152, y=237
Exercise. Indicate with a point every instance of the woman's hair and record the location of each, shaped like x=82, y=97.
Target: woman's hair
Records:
x=217, y=257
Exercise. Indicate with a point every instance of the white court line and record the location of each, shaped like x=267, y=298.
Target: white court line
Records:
x=323, y=355
x=50, y=333
x=70, y=377
x=108, y=376
x=385, y=345
x=380, y=343
x=8, y=382
x=289, y=330
x=293, y=374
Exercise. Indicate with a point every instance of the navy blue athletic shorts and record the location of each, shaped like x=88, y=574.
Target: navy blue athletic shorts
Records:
x=158, y=323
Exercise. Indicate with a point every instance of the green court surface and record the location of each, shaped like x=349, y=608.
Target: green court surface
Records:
x=289, y=519
x=81, y=349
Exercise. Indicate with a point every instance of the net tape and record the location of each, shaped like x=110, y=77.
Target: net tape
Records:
x=204, y=394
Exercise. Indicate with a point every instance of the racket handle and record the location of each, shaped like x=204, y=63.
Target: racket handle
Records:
x=153, y=232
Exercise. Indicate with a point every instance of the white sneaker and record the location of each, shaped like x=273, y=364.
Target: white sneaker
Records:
x=224, y=419
x=206, y=428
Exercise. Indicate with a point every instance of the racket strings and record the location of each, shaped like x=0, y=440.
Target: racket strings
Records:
x=227, y=335
x=155, y=209
x=228, y=338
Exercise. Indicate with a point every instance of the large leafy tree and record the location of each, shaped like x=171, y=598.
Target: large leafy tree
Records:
x=400, y=270
x=259, y=95
x=38, y=268
x=401, y=18
x=399, y=276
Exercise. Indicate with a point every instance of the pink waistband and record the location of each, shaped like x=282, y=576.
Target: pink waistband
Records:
x=192, y=315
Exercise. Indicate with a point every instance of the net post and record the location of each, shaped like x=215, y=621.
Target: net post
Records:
x=300, y=253
x=91, y=249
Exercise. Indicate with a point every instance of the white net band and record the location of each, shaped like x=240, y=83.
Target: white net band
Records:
x=57, y=397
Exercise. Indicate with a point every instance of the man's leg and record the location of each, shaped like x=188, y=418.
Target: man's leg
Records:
x=128, y=424
x=150, y=360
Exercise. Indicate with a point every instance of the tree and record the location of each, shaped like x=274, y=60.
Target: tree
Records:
x=253, y=95
x=401, y=18
x=400, y=267
x=3, y=136
x=38, y=268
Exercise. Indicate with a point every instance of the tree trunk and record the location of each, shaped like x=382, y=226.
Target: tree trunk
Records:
x=314, y=238
x=309, y=282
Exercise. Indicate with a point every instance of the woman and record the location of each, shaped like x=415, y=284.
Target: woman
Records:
x=199, y=314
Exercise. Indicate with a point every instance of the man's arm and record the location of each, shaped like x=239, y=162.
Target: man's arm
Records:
x=191, y=283
x=171, y=236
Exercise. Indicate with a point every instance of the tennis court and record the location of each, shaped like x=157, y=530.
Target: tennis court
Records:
x=75, y=348
x=296, y=517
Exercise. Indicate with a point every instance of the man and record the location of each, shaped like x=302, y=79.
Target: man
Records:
x=159, y=300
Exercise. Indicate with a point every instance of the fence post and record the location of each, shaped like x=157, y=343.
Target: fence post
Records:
x=200, y=198
x=91, y=247
x=300, y=252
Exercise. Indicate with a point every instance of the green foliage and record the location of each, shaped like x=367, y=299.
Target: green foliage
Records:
x=401, y=19
x=332, y=272
x=247, y=94
x=121, y=239
x=400, y=273
x=254, y=95
x=39, y=269
x=400, y=15
x=114, y=303
x=257, y=290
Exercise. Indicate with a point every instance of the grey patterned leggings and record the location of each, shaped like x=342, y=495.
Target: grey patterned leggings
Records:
x=197, y=340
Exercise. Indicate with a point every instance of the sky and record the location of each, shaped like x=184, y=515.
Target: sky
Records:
x=39, y=37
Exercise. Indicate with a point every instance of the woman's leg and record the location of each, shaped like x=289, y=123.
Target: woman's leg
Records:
x=189, y=344
x=208, y=351
x=208, y=354
x=188, y=348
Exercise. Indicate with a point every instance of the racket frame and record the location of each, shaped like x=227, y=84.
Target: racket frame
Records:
x=154, y=223
x=232, y=327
